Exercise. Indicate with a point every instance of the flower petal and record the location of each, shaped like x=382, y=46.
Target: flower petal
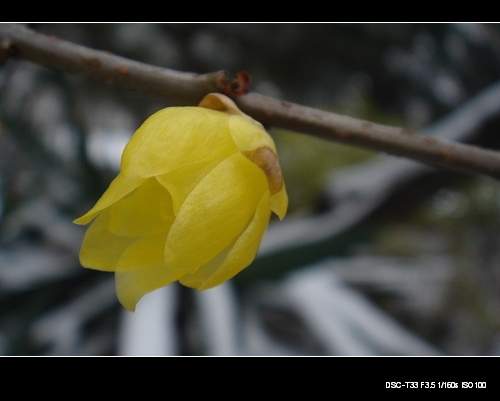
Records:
x=142, y=269
x=267, y=160
x=118, y=188
x=279, y=202
x=237, y=256
x=218, y=101
x=144, y=212
x=174, y=137
x=215, y=213
x=101, y=249
x=198, y=278
x=181, y=182
x=249, y=134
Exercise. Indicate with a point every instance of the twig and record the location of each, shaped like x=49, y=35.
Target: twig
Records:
x=393, y=140
x=17, y=41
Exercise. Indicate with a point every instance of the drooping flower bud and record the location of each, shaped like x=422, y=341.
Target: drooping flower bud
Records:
x=191, y=203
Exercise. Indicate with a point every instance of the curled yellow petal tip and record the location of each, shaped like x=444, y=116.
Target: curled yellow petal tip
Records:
x=191, y=203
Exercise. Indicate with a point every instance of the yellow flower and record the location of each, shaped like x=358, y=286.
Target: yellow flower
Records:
x=191, y=203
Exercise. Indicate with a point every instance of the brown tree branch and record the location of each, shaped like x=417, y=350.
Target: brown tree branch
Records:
x=17, y=41
x=393, y=140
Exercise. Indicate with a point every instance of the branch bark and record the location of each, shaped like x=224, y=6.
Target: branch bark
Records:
x=17, y=41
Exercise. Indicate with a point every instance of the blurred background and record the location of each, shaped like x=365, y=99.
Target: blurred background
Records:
x=378, y=255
